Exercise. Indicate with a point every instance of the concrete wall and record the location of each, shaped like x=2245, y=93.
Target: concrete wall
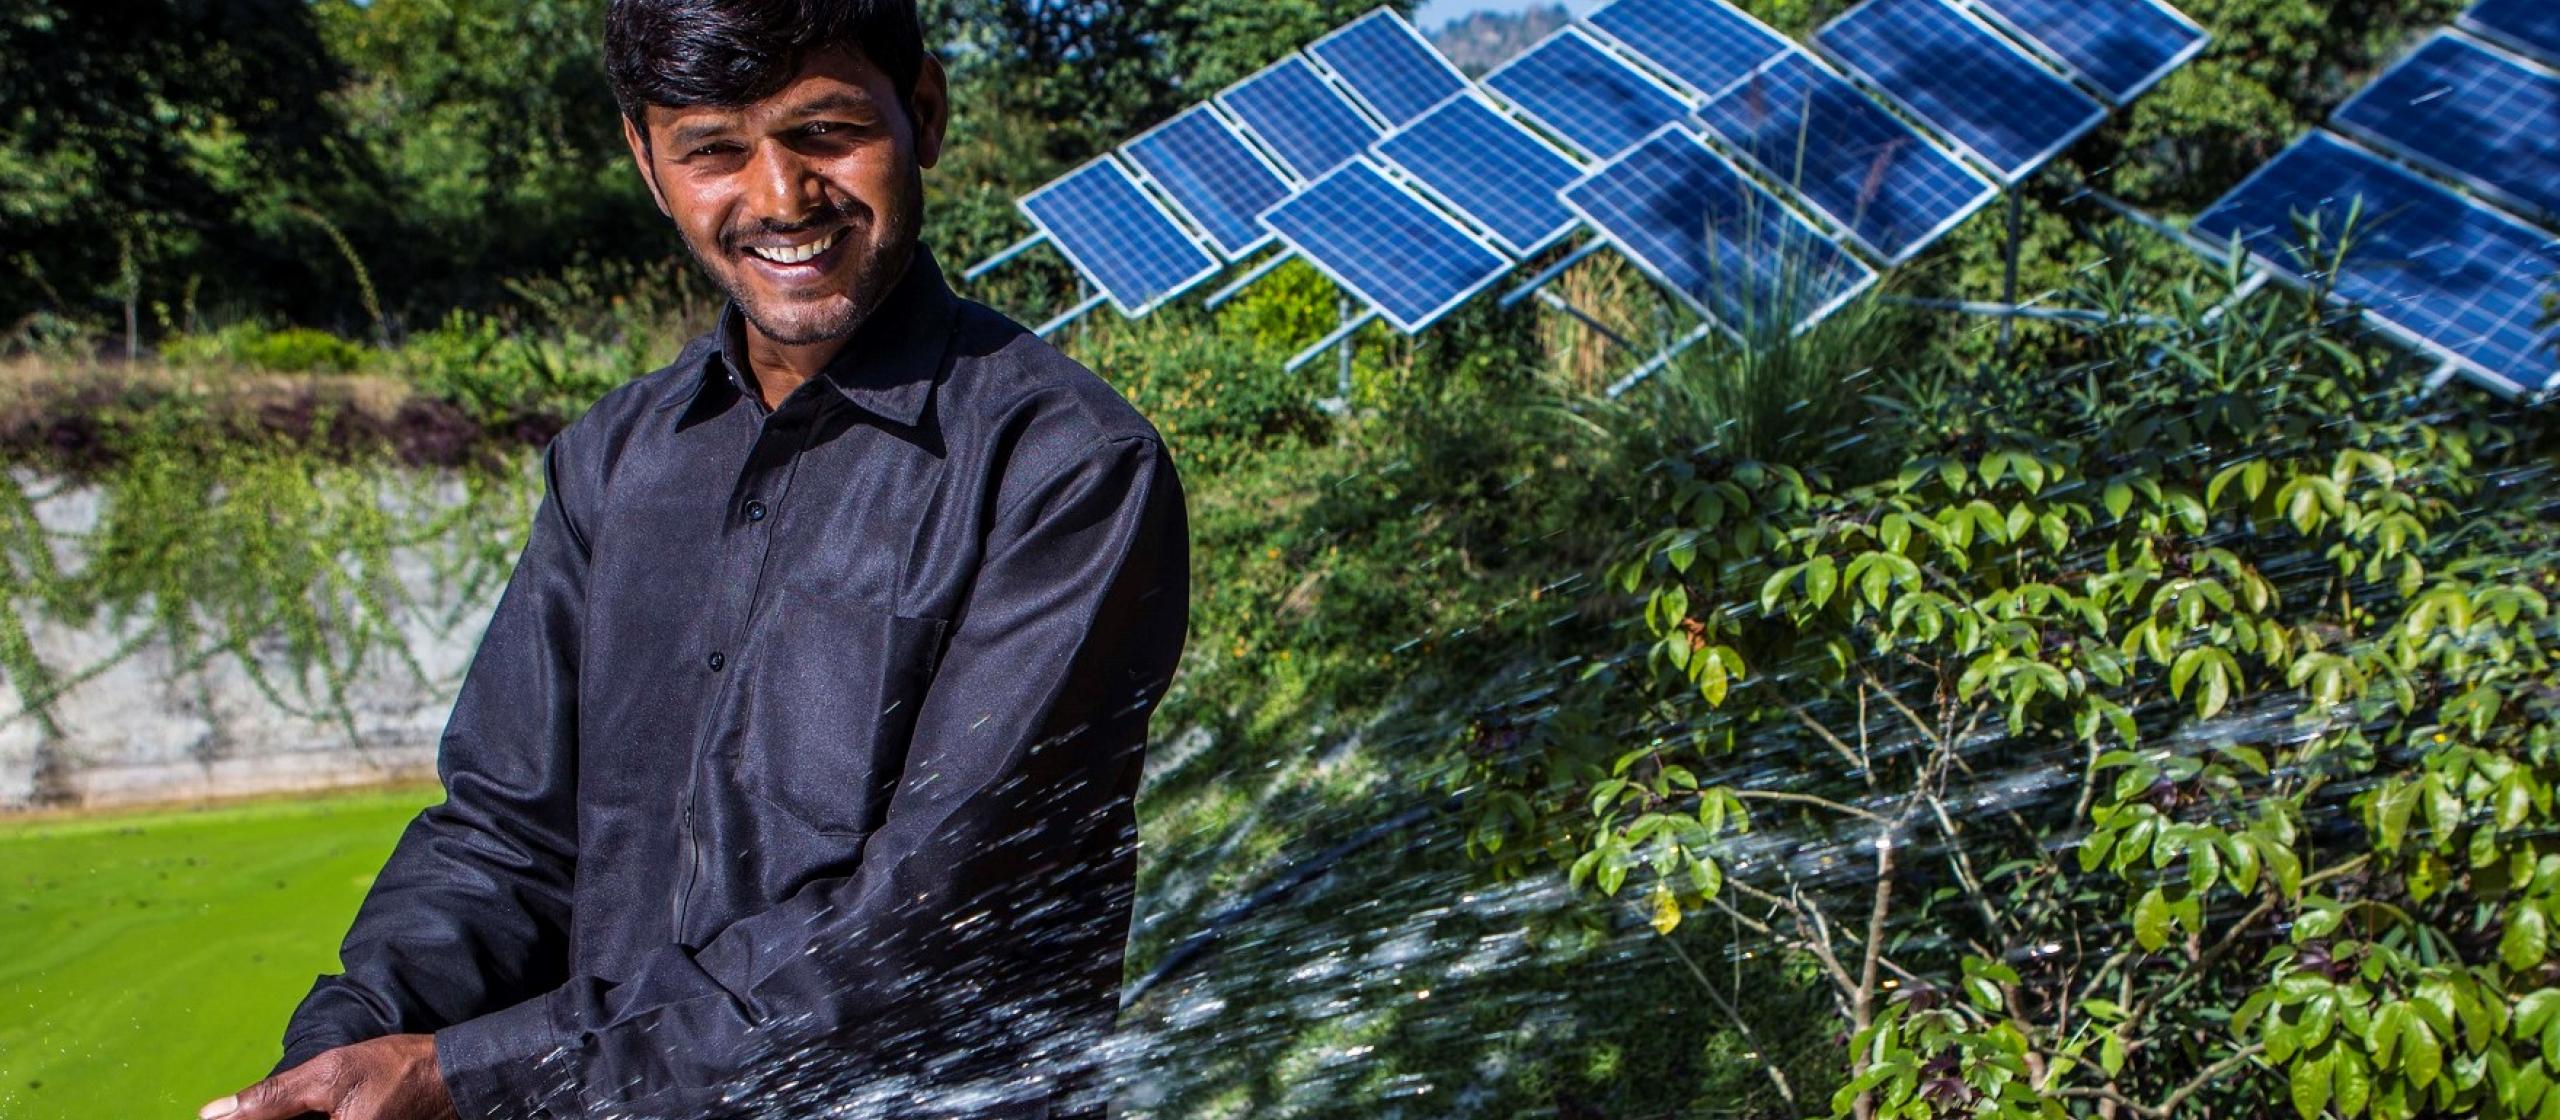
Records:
x=137, y=722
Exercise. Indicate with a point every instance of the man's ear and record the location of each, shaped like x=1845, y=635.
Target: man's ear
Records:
x=640, y=156
x=929, y=108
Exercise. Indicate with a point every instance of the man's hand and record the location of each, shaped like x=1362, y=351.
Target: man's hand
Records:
x=390, y=1078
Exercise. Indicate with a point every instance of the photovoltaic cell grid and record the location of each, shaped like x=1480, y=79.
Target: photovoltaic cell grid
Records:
x=1731, y=249
x=2119, y=46
x=1408, y=261
x=2472, y=112
x=1213, y=175
x=1300, y=117
x=1388, y=65
x=2532, y=25
x=1706, y=44
x=1954, y=72
x=1845, y=155
x=2466, y=279
x=1578, y=90
x=1490, y=169
x=1118, y=237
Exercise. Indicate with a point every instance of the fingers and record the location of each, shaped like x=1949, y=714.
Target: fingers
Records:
x=286, y=1096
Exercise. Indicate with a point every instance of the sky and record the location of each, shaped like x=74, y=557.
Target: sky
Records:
x=1432, y=13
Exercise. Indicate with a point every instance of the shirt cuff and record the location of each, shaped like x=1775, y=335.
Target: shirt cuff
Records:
x=493, y=1066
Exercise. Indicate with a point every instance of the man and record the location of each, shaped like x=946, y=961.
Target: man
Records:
x=795, y=772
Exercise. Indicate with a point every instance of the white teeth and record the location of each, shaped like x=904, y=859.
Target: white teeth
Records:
x=795, y=254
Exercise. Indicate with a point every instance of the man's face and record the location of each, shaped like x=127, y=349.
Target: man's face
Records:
x=803, y=206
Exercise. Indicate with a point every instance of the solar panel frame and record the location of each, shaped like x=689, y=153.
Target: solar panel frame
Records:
x=1261, y=237
x=2199, y=40
x=2006, y=177
x=1422, y=182
x=1867, y=275
x=1346, y=74
x=1588, y=144
x=1213, y=263
x=2497, y=380
x=1407, y=326
x=1227, y=101
x=1972, y=205
x=1699, y=86
x=2348, y=119
x=2508, y=23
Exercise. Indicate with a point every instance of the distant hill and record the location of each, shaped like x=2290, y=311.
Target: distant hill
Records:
x=1482, y=41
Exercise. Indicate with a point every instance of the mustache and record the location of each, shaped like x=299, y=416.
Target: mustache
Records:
x=833, y=213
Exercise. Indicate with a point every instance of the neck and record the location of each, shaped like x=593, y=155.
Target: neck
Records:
x=780, y=367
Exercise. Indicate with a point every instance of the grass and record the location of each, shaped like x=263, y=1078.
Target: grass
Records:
x=148, y=960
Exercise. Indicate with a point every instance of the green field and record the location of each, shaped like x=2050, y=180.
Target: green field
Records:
x=148, y=960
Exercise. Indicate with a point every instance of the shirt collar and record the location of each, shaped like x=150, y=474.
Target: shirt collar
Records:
x=887, y=369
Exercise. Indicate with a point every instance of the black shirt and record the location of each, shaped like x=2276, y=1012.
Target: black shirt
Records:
x=800, y=755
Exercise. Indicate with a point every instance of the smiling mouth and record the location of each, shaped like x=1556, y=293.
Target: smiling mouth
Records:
x=797, y=254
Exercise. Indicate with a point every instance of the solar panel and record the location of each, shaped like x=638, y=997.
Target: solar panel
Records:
x=2470, y=111
x=1731, y=250
x=1576, y=89
x=1213, y=175
x=1847, y=157
x=2120, y=46
x=2532, y=26
x=1388, y=65
x=1382, y=243
x=2463, y=280
x=1300, y=117
x=1488, y=168
x=1125, y=242
x=1705, y=44
x=1950, y=69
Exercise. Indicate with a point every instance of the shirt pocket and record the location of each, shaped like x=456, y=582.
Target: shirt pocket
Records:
x=832, y=736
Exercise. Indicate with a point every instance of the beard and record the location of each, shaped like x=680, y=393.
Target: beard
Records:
x=880, y=260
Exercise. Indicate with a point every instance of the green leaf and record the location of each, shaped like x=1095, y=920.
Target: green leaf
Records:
x=2527, y=938
x=2118, y=498
x=2421, y=1056
x=2350, y=1082
x=2151, y=920
x=2311, y=1086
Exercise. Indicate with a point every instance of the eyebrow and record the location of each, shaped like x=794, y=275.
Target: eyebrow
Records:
x=839, y=101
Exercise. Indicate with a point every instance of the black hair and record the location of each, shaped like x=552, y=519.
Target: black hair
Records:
x=679, y=53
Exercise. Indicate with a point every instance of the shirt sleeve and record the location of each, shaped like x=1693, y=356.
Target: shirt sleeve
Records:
x=985, y=923
x=470, y=913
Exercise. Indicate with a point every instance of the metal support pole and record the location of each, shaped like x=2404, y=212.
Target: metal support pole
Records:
x=1342, y=371
x=2247, y=288
x=1655, y=364
x=1071, y=314
x=1002, y=255
x=1559, y=303
x=1512, y=298
x=1237, y=286
x=2009, y=281
x=2008, y=311
x=1346, y=330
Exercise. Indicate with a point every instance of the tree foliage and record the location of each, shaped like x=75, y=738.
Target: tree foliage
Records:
x=2179, y=741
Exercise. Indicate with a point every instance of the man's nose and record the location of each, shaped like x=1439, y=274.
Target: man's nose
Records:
x=783, y=189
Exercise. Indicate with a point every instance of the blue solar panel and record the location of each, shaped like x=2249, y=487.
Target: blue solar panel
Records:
x=1388, y=66
x=1118, y=237
x=1300, y=117
x=2119, y=46
x=1490, y=169
x=1213, y=175
x=1859, y=165
x=2531, y=25
x=1951, y=70
x=2463, y=278
x=2470, y=111
x=1412, y=263
x=1706, y=44
x=1578, y=90
x=1699, y=228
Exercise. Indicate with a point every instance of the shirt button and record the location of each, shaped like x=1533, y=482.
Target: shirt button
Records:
x=715, y=661
x=755, y=510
